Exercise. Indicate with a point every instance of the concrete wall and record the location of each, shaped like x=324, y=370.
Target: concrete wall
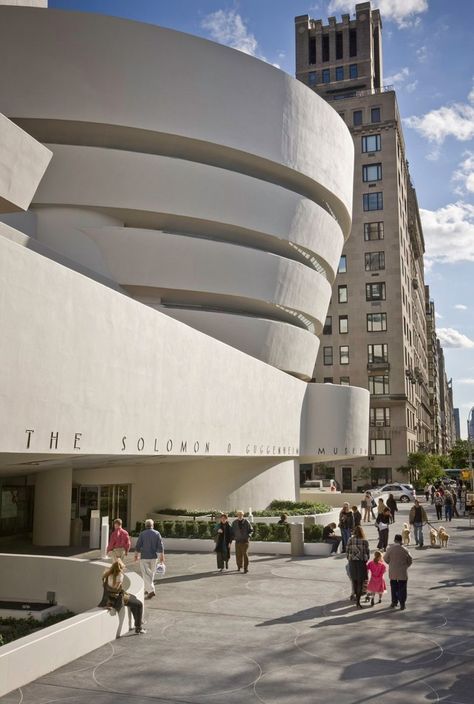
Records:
x=77, y=584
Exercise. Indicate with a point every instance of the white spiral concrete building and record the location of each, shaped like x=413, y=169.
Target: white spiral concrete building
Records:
x=211, y=188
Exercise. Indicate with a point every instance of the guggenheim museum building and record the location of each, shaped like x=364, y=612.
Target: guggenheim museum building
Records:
x=172, y=214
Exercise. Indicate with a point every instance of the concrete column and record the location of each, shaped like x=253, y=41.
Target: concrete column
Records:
x=297, y=539
x=52, y=516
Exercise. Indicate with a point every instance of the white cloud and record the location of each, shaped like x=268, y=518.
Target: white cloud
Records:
x=422, y=54
x=449, y=233
x=228, y=27
x=451, y=338
x=438, y=316
x=456, y=120
x=464, y=381
x=403, y=12
x=397, y=78
x=410, y=87
x=464, y=175
x=460, y=306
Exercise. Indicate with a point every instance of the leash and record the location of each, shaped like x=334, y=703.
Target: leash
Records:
x=436, y=530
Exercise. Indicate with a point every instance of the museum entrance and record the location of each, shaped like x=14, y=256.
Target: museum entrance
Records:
x=112, y=500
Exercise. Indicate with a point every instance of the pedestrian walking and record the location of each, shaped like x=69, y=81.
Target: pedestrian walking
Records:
x=417, y=518
x=330, y=537
x=448, y=506
x=427, y=492
x=433, y=490
x=115, y=597
x=392, y=505
x=455, y=501
x=438, y=503
x=346, y=524
x=398, y=560
x=358, y=555
x=223, y=538
x=119, y=541
x=376, y=568
x=365, y=507
x=148, y=550
x=356, y=516
x=381, y=506
x=242, y=531
x=382, y=522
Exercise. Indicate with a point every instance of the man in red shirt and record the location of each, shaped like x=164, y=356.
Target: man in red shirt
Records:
x=119, y=541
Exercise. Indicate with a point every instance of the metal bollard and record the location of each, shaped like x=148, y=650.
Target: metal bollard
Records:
x=297, y=539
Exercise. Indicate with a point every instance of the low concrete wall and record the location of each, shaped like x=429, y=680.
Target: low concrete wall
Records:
x=257, y=547
x=321, y=519
x=77, y=584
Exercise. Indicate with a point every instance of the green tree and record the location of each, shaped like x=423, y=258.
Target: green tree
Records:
x=459, y=455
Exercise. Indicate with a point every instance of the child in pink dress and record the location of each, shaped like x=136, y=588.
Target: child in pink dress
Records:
x=376, y=585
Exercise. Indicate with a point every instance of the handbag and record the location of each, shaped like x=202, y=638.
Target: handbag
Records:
x=160, y=570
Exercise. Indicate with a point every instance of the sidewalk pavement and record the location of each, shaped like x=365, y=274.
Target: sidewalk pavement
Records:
x=286, y=633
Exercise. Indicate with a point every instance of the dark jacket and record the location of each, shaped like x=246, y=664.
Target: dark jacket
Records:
x=242, y=530
x=392, y=504
x=357, y=518
x=346, y=520
x=224, y=539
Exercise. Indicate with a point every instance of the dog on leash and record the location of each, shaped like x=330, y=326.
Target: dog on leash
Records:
x=406, y=534
x=433, y=537
x=443, y=537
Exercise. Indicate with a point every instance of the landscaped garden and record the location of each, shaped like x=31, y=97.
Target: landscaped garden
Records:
x=14, y=628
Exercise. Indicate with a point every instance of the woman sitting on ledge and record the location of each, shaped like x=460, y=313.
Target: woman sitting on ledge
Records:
x=115, y=597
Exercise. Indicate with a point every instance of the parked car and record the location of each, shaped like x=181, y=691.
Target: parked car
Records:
x=401, y=492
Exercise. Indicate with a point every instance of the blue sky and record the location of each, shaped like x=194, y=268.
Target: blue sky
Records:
x=429, y=58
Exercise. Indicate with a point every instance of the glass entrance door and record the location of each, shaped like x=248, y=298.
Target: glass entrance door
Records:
x=347, y=479
x=111, y=499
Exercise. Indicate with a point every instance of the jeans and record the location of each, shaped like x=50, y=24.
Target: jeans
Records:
x=439, y=511
x=346, y=534
x=418, y=529
x=136, y=607
x=223, y=557
x=448, y=512
x=148, y=569
x=334, y=541
x=383, y=539
x=398, y=588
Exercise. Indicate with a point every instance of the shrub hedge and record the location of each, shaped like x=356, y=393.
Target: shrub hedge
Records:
x=14, y=628
x=296, y=508
x=205, y=530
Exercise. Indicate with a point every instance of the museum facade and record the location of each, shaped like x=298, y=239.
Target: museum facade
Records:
x=172, y=217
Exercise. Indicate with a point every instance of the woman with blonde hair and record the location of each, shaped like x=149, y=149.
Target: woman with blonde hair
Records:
x=376, y=585
x=115, y=597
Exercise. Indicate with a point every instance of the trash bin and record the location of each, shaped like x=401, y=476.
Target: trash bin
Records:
x=76, y=531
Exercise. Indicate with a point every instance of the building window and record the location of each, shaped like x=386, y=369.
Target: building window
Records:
x=374, y=261
x=338, y=45
x=377, y=353
x=353, y=42
x=343, y=324
x=376, y=322
x=380, y=446
x=373, y=201
x=327, y=380
x=379, y=417
x=312, y=78
x=371, y=172
x=342, y=265
x=342, y=294
x=371, y=143
x=375, y=291
x=312, y=50
x=373, y=231
x=327, y=356
x=375, y=115
x=353, y=71
x=379, y=385
x=325, y=47
x=326, y=76
x=344, y=381
x=339, y=73
x=327, y=329
x=344, y=354
x=357, y=118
